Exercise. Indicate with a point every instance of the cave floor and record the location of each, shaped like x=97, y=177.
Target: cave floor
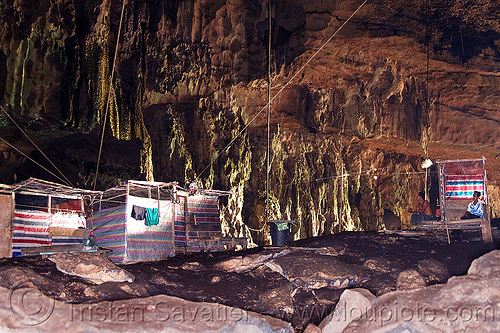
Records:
x=197, y=277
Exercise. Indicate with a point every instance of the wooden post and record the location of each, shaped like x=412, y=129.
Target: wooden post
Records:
x=486, y=230
x=245, y=237
x=442, y=199
x=486, y=221
x=6, y=216
x=342, y=200
x=186, y=218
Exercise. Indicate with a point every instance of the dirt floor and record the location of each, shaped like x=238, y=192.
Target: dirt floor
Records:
x=198, y=277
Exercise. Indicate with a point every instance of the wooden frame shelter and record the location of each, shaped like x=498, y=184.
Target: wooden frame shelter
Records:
x=41, y=217
x=458, y=179
x=147, y=221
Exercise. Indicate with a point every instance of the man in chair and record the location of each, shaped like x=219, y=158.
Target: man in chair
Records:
x=475, y=209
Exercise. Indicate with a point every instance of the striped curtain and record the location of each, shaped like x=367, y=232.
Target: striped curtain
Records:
x=462, y=187
x=109, y=231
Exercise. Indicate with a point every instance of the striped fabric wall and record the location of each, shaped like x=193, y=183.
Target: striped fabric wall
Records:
x=463, y=187
x=148, y=243
x=109, y=231
x=206, y=210
x=31, y=229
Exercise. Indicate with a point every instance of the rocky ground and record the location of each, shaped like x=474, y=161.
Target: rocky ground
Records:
x=300, y=284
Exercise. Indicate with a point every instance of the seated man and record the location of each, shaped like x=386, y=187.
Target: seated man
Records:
x=422, y=211
x=475, y=208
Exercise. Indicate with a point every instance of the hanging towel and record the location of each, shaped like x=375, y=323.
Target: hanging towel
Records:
x=152, y=216
x=138, y=213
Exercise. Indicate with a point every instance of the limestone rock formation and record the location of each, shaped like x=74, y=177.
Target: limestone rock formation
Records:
x=152, y=314
x=352, y=305
x=91, y=266
x=432, y=271
x=314, y=271
x=465, y=303
x=410, y=279
x=350, y=123
x=241, y=264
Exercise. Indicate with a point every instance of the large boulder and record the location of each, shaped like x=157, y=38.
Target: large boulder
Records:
x=391, y=221
x=353, y=303
x=315, y=271
x=11, y=275
x=92, y=266
x=432, y=271
x=468, y=303
x=277, y=301
x=410, y=279
x=245, y=263
x=487, y=265
x=152, y=314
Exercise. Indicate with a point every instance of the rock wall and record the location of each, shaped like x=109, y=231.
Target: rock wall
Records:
x=349, y=126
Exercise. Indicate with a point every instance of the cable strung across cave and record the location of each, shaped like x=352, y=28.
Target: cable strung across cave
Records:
x=32, y=160
x=370, y=173
x=281, y=90
x=268, y=155
x=67, y=181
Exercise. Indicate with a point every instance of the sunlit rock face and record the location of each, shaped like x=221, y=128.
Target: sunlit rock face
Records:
x=354, y=109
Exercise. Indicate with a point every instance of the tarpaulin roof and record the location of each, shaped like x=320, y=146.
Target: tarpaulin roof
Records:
x=470, y=167
x=43, y=187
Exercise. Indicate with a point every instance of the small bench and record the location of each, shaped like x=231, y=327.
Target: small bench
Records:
x=209, y=238
x=469, y=224
x=51, y=249
x=216, y=244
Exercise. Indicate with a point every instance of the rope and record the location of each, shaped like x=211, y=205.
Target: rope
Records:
x=41, y=152
x=281, y=90
x=366, y=173
x=257, y=230
x=268, y=167
x=32, y=160
x=109, y=94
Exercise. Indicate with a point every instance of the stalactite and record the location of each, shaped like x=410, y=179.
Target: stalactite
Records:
x=23, y=75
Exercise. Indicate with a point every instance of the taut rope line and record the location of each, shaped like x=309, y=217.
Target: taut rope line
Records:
x=268, y=156
x=34, y=144
x=32, y=160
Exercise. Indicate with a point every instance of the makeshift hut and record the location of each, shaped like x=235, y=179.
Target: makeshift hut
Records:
x=458, y=179
x=146, y=221
x=37, y=217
